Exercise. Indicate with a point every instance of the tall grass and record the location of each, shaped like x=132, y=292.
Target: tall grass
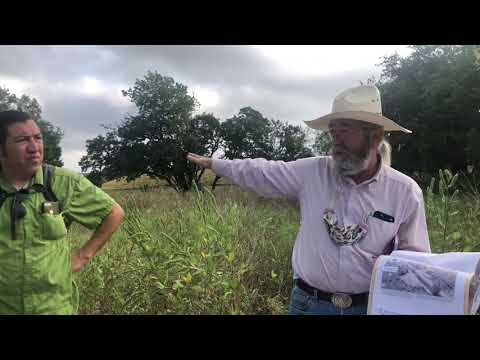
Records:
x=227, y=253
x=197, y=254
x=453, y=216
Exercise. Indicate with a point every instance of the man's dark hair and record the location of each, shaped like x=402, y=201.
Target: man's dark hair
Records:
x=8, y=118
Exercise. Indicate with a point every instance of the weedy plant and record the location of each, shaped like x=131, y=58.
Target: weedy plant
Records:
x=228, y=252
x=201, y=257
x=442, y=209
x=452, y=216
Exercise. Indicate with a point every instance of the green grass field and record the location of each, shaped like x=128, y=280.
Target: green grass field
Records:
x=192, y=254
x=223, y=254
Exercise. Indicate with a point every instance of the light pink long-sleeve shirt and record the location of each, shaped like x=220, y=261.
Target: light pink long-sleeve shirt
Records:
x=316, y=184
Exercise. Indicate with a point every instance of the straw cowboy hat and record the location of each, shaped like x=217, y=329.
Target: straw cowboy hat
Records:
x=358, y=103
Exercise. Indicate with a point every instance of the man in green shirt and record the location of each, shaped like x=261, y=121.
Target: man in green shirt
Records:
x=36, y=264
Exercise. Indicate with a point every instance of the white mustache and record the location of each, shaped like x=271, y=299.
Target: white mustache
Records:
x=341, y=149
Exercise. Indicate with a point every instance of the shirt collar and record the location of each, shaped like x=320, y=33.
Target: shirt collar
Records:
x=9, y=188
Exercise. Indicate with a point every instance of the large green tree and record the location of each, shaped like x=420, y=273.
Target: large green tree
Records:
x=435, y=92
x=154, y=141
x=51, y=135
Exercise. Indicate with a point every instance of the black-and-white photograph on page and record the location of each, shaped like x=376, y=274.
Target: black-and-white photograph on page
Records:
x=418, y=279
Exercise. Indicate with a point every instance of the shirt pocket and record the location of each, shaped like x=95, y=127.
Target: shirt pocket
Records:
x=53, y=227
x=379, y=237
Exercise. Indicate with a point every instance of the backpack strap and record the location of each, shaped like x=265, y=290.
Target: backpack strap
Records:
x=3, y=196
x=48, y=172
x=46, y=188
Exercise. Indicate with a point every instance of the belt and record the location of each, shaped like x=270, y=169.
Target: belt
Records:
x=338, y=299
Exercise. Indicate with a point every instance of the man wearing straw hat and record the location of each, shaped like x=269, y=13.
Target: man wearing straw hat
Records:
x=354, y=206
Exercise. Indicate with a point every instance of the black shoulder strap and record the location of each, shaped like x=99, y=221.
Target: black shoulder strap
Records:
x=48, y=172
x=3, y=196
x=46, y=189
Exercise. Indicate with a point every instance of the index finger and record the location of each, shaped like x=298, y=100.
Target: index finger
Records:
x=191, y=156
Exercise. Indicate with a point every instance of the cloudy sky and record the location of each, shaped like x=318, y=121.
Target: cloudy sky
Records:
x=79, y=87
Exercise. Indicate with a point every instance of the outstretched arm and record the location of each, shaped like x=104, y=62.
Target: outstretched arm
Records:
x=268, y=178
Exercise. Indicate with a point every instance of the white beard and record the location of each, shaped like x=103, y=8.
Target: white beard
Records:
x=349, y=164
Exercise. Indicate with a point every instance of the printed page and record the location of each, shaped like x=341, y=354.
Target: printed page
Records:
x=468, y=262
x=404, y=287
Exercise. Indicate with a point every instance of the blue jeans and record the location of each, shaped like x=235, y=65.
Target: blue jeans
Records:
x=302, y=303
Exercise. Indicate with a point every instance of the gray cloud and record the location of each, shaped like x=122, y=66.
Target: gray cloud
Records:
x=53, y=62
x=288, y=99
x=201, y=63
x=81, y=118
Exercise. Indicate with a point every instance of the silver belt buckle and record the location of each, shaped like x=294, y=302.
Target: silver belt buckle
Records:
x=341, y=300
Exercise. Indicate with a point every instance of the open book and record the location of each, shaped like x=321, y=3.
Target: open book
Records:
x=414, y=283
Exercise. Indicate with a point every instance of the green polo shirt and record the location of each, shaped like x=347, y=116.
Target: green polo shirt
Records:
x=35, y=268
